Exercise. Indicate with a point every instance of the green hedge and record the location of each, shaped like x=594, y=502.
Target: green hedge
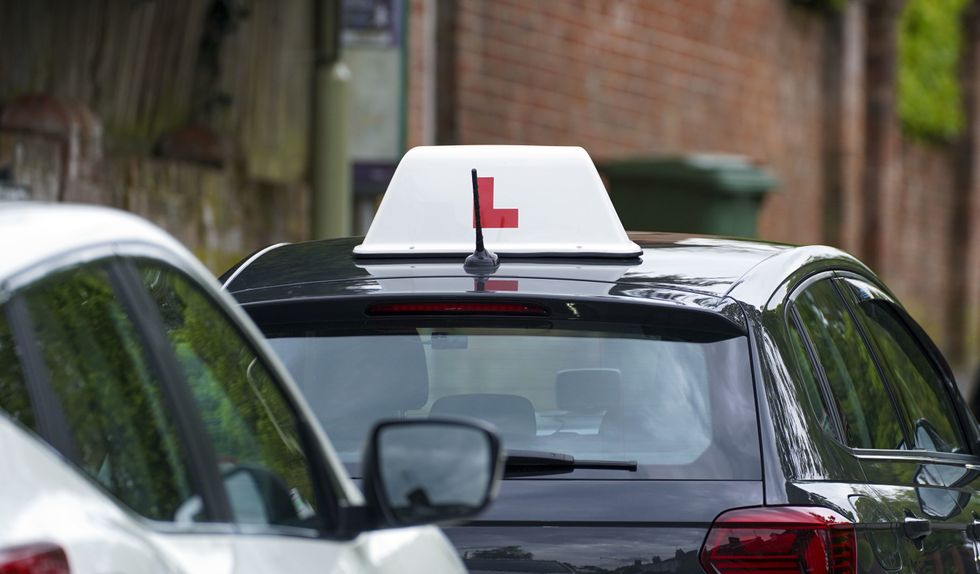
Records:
x=930, y=103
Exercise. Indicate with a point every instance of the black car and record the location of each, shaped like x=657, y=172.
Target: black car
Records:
x=701, y=405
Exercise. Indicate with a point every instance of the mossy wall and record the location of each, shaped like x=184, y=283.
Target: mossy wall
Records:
x=238, y=72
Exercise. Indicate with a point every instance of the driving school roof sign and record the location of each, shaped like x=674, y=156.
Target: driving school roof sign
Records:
x=534, y=201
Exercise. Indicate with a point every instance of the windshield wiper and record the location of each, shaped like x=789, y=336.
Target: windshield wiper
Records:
x=535, y=462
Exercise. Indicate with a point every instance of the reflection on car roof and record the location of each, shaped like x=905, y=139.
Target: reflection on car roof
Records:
x=702, y=264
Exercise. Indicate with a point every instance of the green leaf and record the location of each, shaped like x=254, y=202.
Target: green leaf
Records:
x=930, y=102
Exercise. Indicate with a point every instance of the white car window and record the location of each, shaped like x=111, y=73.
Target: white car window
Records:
x=254, y=432
x=123, y=434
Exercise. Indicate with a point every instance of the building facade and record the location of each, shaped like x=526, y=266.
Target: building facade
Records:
x=805, y=89
x=208, y=116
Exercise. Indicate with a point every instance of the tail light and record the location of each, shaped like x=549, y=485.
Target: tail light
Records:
x=778, y=539
x=455, y=308
x=41, y=558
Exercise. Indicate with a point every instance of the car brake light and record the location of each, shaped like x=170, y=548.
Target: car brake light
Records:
x=463, y=308
x=40, y=558
x=779, y=539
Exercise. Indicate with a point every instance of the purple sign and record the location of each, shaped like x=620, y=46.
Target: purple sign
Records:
x=372, y=22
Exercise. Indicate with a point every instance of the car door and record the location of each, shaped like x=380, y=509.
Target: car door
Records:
x=281, y=496
x=909, y=489
x=94, y=392
x=274, y=494
x=940, y=423
x=144, y=382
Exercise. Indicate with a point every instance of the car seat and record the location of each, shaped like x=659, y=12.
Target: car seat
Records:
x=351, y=383
x=512, y=415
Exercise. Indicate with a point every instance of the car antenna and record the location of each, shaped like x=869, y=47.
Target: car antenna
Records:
x=482, y=260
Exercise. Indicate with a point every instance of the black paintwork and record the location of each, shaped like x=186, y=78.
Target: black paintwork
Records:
x=705, y=265
x=658, y=526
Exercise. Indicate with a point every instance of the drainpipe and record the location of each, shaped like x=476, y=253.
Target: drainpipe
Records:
x=332, y=210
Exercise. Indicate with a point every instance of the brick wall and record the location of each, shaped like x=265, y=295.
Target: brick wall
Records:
x=916, y=219
x=786, y=85
x=421, y=73
x=634, y=78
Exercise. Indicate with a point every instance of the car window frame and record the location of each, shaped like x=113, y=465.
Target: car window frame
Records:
x=789, y=310
x=793, y=321
x=928, y=348
x=334, y=491
x=829, y=400
x=331, y=496
x=5, y=320
x=49, y=419
x=187, y=419
x=328, y=502
x=53, y=423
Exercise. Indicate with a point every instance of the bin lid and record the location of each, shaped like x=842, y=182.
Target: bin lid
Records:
x=714, y=173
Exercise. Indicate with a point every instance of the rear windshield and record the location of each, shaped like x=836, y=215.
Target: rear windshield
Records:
x=681, y=407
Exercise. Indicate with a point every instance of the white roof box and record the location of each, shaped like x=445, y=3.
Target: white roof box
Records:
x=534, y=201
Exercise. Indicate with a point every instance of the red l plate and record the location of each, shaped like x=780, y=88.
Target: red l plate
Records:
x=490, y=216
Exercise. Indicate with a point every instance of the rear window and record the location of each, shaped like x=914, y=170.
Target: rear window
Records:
x=681, y=407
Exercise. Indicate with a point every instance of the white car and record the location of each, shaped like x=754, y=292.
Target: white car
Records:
x=146, y=427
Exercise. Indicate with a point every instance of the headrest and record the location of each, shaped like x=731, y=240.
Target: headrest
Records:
x=344, y=376
x=587, y=390
x=511, y=414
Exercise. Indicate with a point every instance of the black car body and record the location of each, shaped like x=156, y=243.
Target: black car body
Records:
x=821, y=393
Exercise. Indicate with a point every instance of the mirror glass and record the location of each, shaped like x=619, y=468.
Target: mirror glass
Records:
x=432, y=472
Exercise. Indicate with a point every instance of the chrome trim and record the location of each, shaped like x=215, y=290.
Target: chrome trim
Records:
x=927, y=457
x=249, y=261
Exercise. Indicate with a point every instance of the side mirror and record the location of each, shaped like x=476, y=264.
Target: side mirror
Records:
x=429, y=471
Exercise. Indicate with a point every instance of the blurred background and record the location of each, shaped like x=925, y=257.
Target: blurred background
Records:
x=235, y=124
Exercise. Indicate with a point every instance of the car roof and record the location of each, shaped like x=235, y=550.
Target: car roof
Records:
x=41, y=231
x=715, y=267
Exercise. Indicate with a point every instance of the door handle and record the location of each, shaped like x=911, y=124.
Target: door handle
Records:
x=917, y=528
